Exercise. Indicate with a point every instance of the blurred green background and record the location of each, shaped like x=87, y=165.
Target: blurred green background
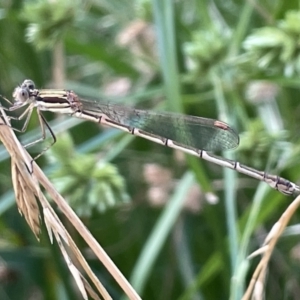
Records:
x=176, y=227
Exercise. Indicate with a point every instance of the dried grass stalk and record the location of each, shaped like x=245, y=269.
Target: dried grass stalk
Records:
x=27, y=178
x=255, y=288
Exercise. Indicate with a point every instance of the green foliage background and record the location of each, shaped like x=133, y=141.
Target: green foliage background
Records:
x=238, y=61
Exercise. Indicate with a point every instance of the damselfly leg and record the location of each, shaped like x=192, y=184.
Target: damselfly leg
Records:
x=22, y=93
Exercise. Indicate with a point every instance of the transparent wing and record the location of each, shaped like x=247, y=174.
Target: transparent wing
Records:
x=195, y=132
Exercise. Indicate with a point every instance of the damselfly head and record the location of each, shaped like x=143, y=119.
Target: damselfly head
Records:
x=21, y=94
x=28, y=84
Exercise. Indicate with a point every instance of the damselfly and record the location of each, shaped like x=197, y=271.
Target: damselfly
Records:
x=193, y=135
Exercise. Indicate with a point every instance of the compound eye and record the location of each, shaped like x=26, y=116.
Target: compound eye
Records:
x=21, y=94
x=28, y=84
